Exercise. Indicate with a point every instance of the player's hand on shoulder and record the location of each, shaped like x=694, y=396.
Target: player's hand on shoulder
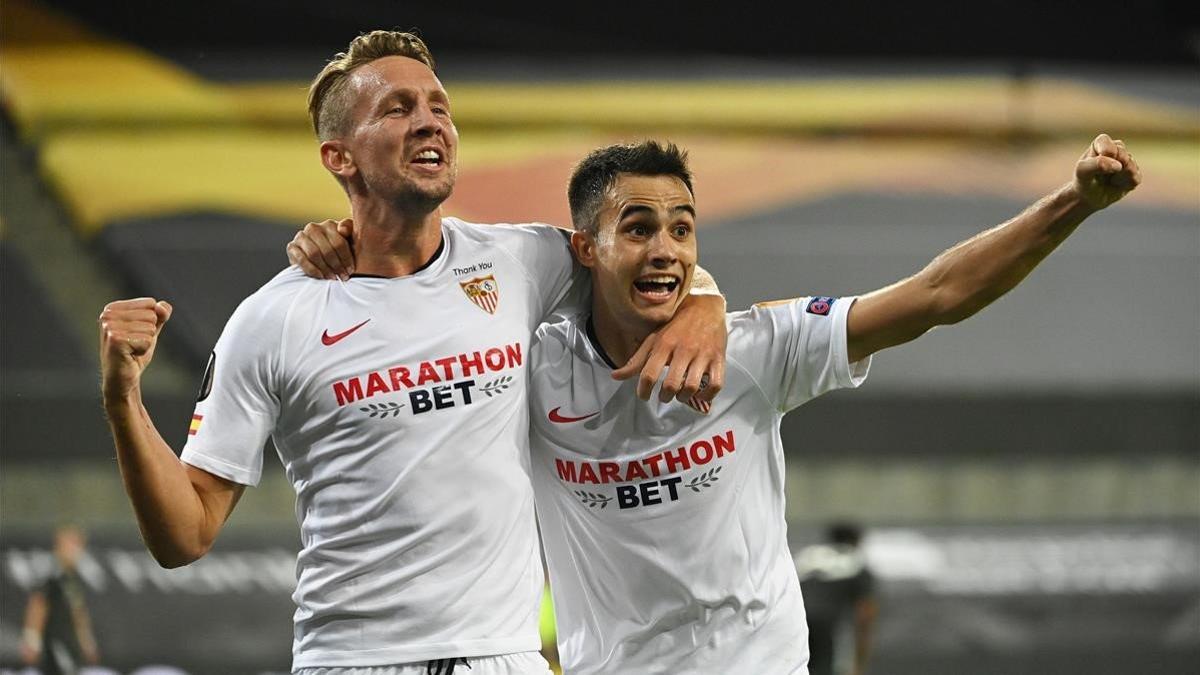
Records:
x=323, y=250
x=1105, y=173
x=129, y=331
x=691, y=348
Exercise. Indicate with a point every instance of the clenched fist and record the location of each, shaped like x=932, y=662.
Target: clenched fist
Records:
x=1105, y=173
x=128, y=334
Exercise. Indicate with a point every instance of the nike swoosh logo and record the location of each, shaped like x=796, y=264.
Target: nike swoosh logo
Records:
x=561, y=419
x=327, y=339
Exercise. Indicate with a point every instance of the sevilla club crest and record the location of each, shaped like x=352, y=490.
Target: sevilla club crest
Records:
x=483, y=291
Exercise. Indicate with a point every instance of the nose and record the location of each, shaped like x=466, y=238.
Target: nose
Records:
x=424, y=122
x=662, y=250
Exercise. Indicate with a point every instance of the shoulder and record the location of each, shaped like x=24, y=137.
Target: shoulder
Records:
x=554, y=341
x=774, y=310
x=523, y=241
x=562, y=346
x=559, y=356
x=503, y=233
x=284, y=286
x=807, y=320
x=273, y=301
x=784, y=315
x=749, y=325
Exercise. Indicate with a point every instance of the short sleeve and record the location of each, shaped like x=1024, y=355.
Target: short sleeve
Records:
x=796, y=349
x=561, y=286
x=237, y=405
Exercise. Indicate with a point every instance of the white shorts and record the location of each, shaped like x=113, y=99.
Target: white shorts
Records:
x=520, y=663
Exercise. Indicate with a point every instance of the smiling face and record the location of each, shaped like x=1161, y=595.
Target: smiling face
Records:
x=642, y=252
x=401, y=145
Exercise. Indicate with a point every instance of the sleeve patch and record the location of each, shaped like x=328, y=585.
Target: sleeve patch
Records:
x=820, y=306
x=207, y=381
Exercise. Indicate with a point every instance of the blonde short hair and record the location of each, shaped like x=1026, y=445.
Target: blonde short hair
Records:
x=328, y=106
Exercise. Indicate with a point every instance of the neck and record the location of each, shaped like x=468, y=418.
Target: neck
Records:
x=392, y=242
x=619, y=339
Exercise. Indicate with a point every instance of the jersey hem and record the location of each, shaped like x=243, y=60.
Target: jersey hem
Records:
x=390, y=656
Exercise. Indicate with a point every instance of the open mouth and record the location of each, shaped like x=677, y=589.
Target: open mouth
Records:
x=431, y=158
x=657, y=286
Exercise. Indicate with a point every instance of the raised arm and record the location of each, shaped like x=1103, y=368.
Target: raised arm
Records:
x=179, y=508
x=974, y=273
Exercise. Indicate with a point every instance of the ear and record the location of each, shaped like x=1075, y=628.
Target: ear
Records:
x=583, y=244
x=337, y=159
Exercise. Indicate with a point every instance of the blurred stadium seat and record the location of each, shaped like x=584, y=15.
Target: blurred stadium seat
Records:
x=205, y=264
x=43, y=341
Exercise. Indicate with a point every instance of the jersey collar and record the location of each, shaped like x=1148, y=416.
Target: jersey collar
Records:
x=434, y=258
x=590, y=331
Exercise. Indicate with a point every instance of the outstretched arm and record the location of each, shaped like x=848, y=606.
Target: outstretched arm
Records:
x=974, y=273
x=179, y=508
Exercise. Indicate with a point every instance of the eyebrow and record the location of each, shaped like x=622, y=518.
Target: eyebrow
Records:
x=409, y=92
x=633, y=209
x=393, y=94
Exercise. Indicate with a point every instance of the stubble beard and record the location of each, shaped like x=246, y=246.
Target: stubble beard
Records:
x=413, y=197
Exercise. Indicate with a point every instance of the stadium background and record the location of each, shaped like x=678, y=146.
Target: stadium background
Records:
x=1031, y=478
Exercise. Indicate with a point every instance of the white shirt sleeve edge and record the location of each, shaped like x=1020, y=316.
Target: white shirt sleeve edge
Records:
x=849, y=375
x=221, y=468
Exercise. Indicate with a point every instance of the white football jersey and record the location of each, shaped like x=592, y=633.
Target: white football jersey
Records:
x=399, y=410
x=664, y=529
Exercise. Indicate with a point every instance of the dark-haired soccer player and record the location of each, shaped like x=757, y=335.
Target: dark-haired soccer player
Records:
x=664, y=530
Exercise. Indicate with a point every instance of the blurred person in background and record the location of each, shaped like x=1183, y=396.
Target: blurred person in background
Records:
x=58, y=634
x=839, y=600
x=419, y=549
x=664, y=530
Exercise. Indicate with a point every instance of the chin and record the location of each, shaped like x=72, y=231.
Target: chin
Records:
x=656, y=317
x=429, y=196
x=440, y=194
